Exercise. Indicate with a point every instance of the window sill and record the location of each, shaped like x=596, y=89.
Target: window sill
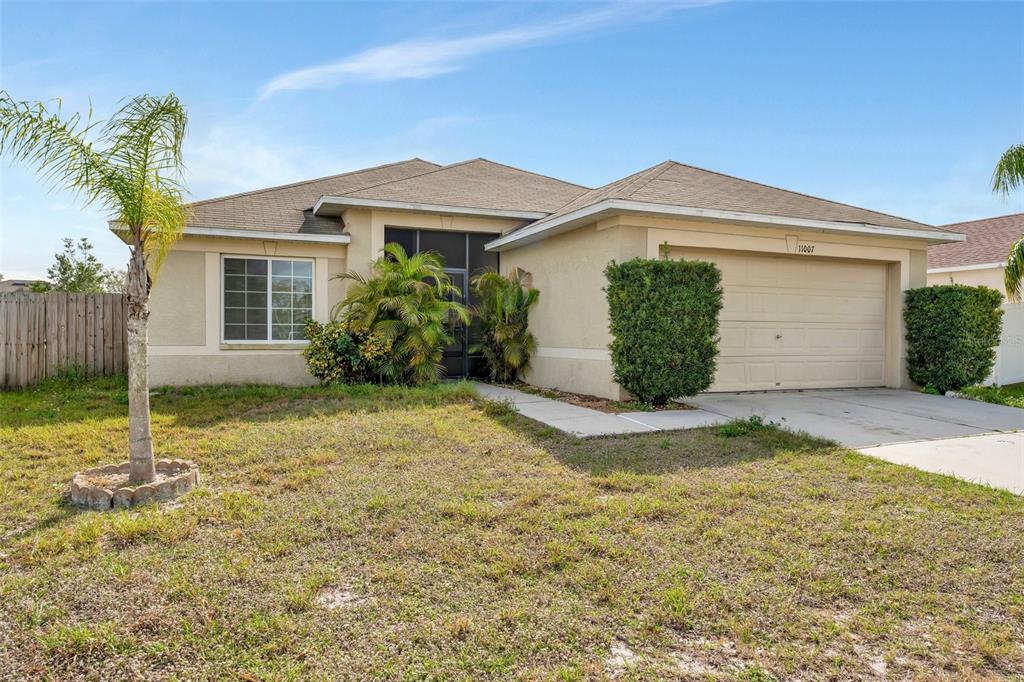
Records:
x=264, y=346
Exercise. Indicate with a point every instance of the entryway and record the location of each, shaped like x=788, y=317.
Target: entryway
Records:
x=464, y=256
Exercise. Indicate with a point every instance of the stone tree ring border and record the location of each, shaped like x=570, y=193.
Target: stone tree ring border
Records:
x=175, y=478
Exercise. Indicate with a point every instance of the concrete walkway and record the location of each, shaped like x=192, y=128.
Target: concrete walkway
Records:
x=584, y=422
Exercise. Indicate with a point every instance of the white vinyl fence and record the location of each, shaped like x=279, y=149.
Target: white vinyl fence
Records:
x=1009, y=367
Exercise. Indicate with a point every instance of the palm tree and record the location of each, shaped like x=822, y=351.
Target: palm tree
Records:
x=410, y=301
x=1009, y=175
x=131, y=165
x=504, y=309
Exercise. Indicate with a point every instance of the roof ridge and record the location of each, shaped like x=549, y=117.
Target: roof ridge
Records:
x=635, y=176
x=984, y=220
x=523, y=170
x=418, y=175
x=463, y=163
x=645, y=177
x=803, y=194
x=306, y=182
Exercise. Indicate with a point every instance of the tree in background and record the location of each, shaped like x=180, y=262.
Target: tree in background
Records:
x=130, y=164
x=77, y=270
x=1009, y=176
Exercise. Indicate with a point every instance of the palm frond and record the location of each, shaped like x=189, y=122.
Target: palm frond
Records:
x=58, y=148
x=1013, y=274
x=1009, y=172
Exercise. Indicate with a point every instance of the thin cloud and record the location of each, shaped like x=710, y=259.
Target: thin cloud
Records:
x=417, y=59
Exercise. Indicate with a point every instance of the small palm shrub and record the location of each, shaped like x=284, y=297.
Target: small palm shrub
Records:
x=503, y=308
x=407, y=301
x=663, y=318
x=952, y=334
x=337, y=354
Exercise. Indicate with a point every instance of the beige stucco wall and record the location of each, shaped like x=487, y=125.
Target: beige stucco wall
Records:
x=178, y=301
x=988, y=277
x=185, y=322
x=185, y=319
x=571, y=321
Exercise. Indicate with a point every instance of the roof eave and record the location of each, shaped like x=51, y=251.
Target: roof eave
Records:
x=334, y=206
x=961, y=268
x=266, y=235
x=546, y=228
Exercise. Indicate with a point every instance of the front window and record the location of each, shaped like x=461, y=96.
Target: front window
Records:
x=266, y=299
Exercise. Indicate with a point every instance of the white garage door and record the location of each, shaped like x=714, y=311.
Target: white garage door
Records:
x=798, y=322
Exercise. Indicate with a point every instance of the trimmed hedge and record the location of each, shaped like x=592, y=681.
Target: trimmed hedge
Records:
x=664, y=323
x=952, y=333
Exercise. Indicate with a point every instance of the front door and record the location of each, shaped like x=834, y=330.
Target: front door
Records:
x=456, y=355
x=464, y=256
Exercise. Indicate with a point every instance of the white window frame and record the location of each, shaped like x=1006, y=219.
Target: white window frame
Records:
x=269, y=340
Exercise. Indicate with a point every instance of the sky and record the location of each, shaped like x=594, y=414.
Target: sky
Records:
x=898, y=107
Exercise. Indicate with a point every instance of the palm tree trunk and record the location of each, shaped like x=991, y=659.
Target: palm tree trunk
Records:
x=140, y=440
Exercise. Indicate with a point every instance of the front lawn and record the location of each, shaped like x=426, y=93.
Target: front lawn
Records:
x=421, y=534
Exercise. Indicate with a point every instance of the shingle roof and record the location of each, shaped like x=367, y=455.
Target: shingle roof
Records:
x=677, y=184
x=988, y=241
x=484, y=184
x=477, y=183
x=287, y=208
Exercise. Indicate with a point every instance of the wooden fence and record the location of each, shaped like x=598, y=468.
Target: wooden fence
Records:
x=46, y=335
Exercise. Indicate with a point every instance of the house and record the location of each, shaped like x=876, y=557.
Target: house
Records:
x=813, y=288
x=10, y=286
x=979, y=260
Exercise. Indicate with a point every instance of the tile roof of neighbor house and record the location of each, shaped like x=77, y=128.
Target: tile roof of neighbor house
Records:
x=677, y=184
x=988, y=241
x=484, y=184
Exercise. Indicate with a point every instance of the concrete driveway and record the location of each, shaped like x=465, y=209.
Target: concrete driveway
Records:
x=963, y=438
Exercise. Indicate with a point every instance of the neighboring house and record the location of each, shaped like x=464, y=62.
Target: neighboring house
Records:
x=10, y=286
x=981, y=257
x=813, y=288
x=979, y=260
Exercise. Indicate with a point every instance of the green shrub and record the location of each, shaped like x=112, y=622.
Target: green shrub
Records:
x=504, y=310
x=337, y=354
x=742, y=427
x=952, y=333
x=664, y=324
x=408, y=301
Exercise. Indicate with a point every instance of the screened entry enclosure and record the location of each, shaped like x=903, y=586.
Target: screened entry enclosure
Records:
x=464, y=256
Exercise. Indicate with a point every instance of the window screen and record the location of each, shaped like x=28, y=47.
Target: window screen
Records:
x=267, y=299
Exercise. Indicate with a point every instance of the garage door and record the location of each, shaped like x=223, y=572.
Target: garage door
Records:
x=797, y=322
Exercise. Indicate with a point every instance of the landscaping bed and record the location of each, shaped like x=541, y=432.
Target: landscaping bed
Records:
x=398, y=533
x=1011, y=395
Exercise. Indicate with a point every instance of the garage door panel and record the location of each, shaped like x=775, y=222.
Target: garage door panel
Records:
x=798, y=322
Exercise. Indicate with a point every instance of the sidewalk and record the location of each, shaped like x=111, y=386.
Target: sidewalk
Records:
x=584, y=422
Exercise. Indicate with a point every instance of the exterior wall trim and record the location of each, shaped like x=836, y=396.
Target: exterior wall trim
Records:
x=544, y=228
x=962, y=268
x=273, y=236
x=333, y=204
x=573, y=353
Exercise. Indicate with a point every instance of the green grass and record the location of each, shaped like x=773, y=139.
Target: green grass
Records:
x=1011, y=395
x=376, y=533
